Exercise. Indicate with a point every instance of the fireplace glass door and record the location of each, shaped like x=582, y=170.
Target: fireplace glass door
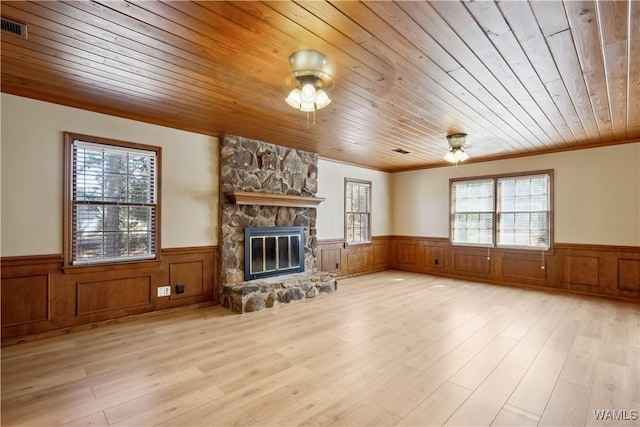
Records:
x=271, y=251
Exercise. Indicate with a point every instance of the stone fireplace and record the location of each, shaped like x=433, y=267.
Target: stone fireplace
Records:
x=267, y=187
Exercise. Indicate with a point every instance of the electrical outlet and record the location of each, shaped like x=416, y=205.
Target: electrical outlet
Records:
x=180, y=288
x=436, y=261
x=164, y=291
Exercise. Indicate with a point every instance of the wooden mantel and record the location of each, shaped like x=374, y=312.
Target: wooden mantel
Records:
x=269, y=199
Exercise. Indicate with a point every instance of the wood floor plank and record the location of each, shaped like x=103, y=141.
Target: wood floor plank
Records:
x=97, y=419
x=486, y=402
x=512, y=416
x=527, y=349
x=533, y=393
x=567, y=405
x=401, y=397
x=392, y=348
x=580, y=364
x=612, y=391
x=483, y=364
x=438, y=407
x=350, y=409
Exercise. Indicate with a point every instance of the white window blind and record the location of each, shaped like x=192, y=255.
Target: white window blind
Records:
x=358, y=212
x=113, y=203
x=511, y=211
x=472, y=212
x=524, y=211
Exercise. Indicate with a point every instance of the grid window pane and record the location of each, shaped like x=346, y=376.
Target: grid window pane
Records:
x=508, y=212
x=357, y=212
x=113, y=203
x=524, y=211
x=472, y=212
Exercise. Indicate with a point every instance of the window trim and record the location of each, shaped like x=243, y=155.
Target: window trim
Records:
x=68, y=141
x=369, y=228
x=495, y=178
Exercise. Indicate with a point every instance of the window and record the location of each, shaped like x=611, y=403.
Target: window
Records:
x=508, y=211
x=357, y=211
x=524, y=211
x=473, y=216
x=111, y=201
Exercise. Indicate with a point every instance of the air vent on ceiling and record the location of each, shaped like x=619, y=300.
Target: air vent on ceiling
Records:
x=401, y=151
x=14, y=27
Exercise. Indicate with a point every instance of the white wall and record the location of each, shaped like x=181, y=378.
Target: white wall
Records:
x=596, y=194
x=32, y=157
x=331, y=176
x=597, y=191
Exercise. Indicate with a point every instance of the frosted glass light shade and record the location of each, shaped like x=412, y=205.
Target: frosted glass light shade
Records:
x=456, y=155
x=307, y=107
x=295, y=98
x=322, y=99
x=308, y=93
x=308, y=99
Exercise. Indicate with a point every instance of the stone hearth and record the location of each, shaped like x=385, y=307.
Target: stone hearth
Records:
x=289, y=177
x=265, y=293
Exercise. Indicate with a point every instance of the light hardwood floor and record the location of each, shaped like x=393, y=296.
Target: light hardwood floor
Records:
x=387, y=349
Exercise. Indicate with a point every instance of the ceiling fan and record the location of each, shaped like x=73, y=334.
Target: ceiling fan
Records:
x=457, y=144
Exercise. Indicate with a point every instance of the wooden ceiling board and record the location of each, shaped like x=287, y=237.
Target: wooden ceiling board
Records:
x=519, y=77
x=583, y=20
x=439, y=87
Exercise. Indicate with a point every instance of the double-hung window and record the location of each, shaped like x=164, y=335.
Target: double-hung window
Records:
x=111, y=201
x=524, y=211
x=507, y=211
x=473, y=216
x=357, y=211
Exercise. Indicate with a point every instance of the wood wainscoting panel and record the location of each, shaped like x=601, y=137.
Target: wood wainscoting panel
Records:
x=340, y=259
x=357, y=260
x=469, y=263
x=629, y=274
x=330, y=255
x=188, y=274
x=612, y=271
x=195, y=268
x=39, y=296
x=25, y=299
x=381, y=253
x=433, y=256
x=105, y=295
x=581, y=270
x=330, y=260
x=519, y=268
x=407, y=253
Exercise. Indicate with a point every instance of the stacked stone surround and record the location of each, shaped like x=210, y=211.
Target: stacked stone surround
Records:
x=253, y=166
x=265, y=293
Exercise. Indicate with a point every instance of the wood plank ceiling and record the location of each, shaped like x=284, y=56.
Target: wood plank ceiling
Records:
x=518, y=77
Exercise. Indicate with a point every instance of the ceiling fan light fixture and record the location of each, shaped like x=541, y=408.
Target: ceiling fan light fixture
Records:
x=309, y=95
x=456, y=153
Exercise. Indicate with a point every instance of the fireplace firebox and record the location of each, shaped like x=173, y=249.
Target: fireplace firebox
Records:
x=271, y=251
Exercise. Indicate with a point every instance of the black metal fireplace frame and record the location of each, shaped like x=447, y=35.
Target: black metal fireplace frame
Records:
x=257, y=232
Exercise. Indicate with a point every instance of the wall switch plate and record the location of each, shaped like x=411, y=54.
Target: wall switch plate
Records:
x=164, y=291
